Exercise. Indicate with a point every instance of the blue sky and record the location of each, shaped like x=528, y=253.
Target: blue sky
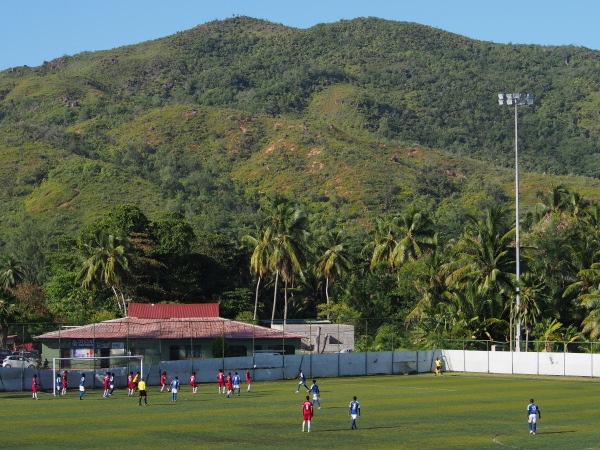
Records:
x=34, y=31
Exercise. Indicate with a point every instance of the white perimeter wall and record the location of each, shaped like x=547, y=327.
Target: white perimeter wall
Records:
x=525, y=363
x=278, y=367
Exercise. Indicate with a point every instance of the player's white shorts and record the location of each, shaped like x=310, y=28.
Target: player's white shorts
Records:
x=315, y=396
x=532, y=418
x=81, y=389
x=174, y=390
x=354, y=416
x=236, y=386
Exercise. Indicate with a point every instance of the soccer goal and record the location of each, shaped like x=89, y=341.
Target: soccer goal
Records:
x=56, y=365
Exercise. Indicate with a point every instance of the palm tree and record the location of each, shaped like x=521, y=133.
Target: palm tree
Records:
x=415, y=236
x=483, y=257
x=554, y=201
x=548, y=329
x=259, y=261
x=11, y=272
x=333, y=262
x=105, y=263
x=532, y=294
x=384, y=241
x=286, y=228
x=588, y=295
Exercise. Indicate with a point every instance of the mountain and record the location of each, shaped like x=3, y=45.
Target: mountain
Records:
x=354, y=118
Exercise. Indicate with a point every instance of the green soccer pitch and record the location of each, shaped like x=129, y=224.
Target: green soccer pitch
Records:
x=461, y=411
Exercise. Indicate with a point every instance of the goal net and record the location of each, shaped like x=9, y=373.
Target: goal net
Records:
x=87, y=364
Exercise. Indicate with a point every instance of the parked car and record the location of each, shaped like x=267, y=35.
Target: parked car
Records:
x=346, y=350
x=18, y=361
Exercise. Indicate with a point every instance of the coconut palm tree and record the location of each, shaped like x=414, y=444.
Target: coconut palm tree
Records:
x=385, y=238
x=259, y=261
x=484, y=257
x=415, y=236
x=105, y=263
x=334, y=260
x=532, y=297
x=286, y=227
x=11, y=272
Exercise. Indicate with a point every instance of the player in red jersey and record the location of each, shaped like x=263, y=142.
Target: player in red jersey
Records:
x=106, y=381
x=229, y=384
x=65, y=382
x=221, y=380
x=163, y=382
x=307, y=413
x=193, y=383
x=130, y=385
x=248, y=379
x=34, y=386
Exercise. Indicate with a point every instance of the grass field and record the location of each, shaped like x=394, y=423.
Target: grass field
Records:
x=398, y=412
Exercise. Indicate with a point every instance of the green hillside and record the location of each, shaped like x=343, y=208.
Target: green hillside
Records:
x=356, y=117
x=177, y=147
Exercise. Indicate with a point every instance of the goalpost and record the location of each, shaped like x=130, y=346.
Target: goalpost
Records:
x=56, y=366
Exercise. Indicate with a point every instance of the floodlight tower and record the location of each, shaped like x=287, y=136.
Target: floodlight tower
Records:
x=517, y=99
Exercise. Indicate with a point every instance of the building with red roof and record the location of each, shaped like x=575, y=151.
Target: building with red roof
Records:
x=166, y=332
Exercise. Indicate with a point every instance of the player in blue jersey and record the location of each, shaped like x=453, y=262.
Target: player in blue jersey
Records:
x=354, y=412
x=236, y=383
x=174, y=388
x=82, y=386
x=315, y=391
x=301, y=381
x=533, y=412
x=58, y=385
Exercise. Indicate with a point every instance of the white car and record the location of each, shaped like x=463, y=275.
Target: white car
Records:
x=18, y=361
x=346, y=350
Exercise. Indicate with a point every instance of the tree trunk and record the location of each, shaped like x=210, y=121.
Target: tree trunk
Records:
x=274, y=298
x=285, y=304
x=327, y=294
x=256, y=299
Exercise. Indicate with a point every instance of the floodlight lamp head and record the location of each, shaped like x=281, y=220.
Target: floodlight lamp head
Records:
x=530, y=99
x=501, y=99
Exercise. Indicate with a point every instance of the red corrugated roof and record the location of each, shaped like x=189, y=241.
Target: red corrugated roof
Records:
x=172, y=310
x=178, y=328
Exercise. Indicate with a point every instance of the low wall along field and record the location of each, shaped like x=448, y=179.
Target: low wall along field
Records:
x=268, y=367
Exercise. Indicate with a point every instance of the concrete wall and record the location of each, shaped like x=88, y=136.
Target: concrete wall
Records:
x=264, y=367
x=523, y=363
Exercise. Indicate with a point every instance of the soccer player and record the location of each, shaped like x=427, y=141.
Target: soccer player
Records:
x=315, y=391
x=65, y=382
x=163, y=381
x=221, y=381
x=136, y=380
x=141, y=385
x=438, y=366
x=58, y=383
x=82, y=386
x=34, y=386
x=111, y=383
x=236, y=383
x=193, y=383
x=229, y=384
x=174, y=388
x=533, y=411
x=130, y=385
x=248, y=379
x=106, y=381
x=354, y=412
x=307, y=413
x=301, y=381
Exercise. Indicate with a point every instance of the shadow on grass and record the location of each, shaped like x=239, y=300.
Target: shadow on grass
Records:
x=359, y=428
x=556, y=432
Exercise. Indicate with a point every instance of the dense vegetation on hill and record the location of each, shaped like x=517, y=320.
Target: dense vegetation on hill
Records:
x=377, y=130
